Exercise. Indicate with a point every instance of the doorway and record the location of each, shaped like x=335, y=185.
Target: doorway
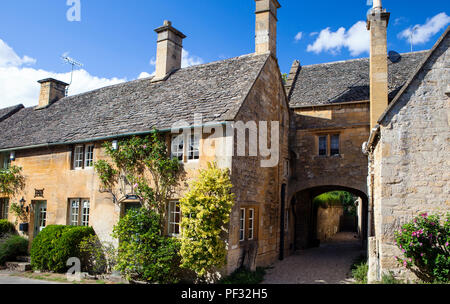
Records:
x=40, y=216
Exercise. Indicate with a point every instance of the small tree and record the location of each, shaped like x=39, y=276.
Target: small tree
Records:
x=425, y=246
x=206, y=211
x=146, y=164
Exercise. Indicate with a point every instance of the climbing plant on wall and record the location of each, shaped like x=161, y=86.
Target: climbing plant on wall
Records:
x=206, y=211
x=146, y=164
x=11, y=180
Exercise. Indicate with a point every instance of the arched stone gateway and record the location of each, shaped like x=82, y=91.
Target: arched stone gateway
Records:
x=304, y=232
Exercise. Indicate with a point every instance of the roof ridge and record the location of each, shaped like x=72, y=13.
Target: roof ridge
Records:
x=358, y=59
x=150, y=77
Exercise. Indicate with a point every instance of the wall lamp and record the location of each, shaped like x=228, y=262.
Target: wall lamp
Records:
x=12, y=156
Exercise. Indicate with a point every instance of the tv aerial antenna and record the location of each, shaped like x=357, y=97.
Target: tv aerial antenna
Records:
x=74, y=64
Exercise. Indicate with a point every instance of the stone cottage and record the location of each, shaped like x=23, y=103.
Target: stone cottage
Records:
x=58, y=141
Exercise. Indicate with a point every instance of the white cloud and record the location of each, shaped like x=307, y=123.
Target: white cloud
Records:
x=9, y=58
x=18, y=83
x=187, y=60
x=423, y=33
x=314, y=34
x=298, y=37
x=356, y=40
x=144, y=75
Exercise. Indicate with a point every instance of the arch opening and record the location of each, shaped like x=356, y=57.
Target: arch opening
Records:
x=320, y=213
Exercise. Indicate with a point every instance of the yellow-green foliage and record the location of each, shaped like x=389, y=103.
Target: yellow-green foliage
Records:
x=206, y=212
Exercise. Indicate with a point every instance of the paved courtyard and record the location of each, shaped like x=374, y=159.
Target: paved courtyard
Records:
x=328, y=264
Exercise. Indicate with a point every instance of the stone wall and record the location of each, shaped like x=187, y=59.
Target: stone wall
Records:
x=411, y=167
x=255, y=186
x=50, y=169
x=328, y=222
x=349, y=169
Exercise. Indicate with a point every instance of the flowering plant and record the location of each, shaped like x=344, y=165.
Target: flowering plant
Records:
x=425, y=246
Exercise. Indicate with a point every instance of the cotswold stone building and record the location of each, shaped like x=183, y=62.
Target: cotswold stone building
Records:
x=324, y=115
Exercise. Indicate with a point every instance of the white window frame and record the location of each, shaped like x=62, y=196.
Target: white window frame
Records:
x=78, y=154
x=89, y=156
x=74, y=204
x=79, y=212
x=251, y=224
x=85, y=212
x=242, y=225
x=176, y=152
x=193, y=148
x=174, y=210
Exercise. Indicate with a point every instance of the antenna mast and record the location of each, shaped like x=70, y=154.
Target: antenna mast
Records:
x=73, y=63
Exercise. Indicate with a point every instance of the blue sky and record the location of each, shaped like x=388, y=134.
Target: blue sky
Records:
x=115, y=39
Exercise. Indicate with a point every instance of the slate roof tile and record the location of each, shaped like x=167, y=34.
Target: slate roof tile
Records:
x=347, y=81
x=215, y=90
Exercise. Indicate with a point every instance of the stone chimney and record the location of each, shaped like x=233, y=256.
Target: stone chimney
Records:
x=52, y=90
x=266, y=26
x=169, y=50
x=377, y=23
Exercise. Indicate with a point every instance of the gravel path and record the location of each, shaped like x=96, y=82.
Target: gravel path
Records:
x=329, y=264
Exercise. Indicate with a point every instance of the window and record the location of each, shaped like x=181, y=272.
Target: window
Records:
x=89, y=157
x=335, y=145
x=194, y=147
x=322, y=145
x=5, y=160
x=242, y=225
x=4, y=208
x=83, y=156
x=79, y=210
x=251, y=223
x=78, y=157
x=174, y=218
x=247, y=224
x=191, y=150
x=178, y=147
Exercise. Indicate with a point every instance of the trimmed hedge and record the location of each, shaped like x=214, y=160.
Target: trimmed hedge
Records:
x=6, y=227
x=54, y=245
x=11, y=247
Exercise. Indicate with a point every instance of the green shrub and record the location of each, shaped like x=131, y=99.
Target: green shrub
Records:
x=360, y=269
x=97, y=257
x=360, y=273
x=54, y=245
x=6, y=227
x=207, y=206
x=245, y=276
x=389, y=278
x=425, y=246
x=12, y=246
x=144, y=254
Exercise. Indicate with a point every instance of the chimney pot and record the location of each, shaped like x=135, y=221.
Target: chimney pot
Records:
x=52, y=90
x=169, y=50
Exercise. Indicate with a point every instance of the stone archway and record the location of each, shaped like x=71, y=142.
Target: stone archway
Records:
x=305, y=214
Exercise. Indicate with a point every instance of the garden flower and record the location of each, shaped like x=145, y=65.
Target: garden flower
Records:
x=446, y=244
x=135, y=186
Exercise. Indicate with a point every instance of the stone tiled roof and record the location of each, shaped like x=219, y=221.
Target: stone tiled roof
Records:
x=215, y=90
x=347, y=81
x=7, y=112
